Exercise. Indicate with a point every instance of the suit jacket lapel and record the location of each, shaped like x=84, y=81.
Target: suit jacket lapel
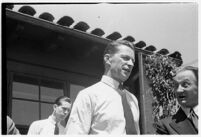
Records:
x=181, y=124
x=183, y=127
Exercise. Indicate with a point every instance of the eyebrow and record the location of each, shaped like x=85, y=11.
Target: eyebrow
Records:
x=184, y=80
x=127, y=56
x=66, y=108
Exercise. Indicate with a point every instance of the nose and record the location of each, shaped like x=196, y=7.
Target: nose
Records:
x=66, y=111
x=130, y=63
x=180, y=89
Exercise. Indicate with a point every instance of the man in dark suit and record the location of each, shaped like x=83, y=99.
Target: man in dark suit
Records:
x=185, y=121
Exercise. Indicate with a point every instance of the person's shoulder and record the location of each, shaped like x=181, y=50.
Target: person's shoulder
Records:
x=162, y=125
x=10, y=123
x=167, y=119
x=11, y=129
x=90, y=90
x=39, y=122
x=176, y=117
x=163, y=122
x=9, y=120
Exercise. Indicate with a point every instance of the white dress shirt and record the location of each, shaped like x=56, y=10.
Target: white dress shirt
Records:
x=195, y=109
x=44, y=127
x=187, y=110
x=98, y=110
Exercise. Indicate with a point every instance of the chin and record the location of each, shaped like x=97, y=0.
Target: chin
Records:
x=186, y=105
x=182, y=103
x=62, y=118
x=124, y=78
x=191, y=105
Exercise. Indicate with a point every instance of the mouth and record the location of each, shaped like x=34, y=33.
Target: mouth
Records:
x=127, y=70
x=182, y=97
x=63, y=116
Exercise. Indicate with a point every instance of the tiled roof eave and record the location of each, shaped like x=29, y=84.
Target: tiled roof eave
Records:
x=53, y=26
x=56, y=27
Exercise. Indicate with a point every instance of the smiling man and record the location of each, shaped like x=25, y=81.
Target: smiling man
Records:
x=185, y=121
x=105, y=108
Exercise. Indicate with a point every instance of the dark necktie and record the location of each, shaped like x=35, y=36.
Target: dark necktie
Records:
x=56, y=130
x=194, y=118
x=130, y=126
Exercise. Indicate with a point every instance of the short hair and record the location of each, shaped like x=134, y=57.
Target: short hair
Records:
x=191, y=68
x=62, y=98
x=112, y=46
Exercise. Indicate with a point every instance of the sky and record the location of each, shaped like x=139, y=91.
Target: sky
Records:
x=173, y=26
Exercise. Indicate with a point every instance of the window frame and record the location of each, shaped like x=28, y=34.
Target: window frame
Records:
x=10, y=80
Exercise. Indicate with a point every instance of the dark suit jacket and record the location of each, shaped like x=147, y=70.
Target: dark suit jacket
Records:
x=177, y=124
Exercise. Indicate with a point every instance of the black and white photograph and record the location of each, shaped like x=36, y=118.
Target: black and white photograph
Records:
x=99, y=68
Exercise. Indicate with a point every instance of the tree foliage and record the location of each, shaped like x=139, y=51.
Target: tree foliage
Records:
x=160, y=70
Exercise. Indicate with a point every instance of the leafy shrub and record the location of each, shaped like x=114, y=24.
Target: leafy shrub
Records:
x=159, y=70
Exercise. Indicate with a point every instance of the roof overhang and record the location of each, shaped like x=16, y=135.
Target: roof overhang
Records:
x=57, y=28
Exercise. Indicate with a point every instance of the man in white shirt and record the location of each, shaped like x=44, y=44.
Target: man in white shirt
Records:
x=185, y=121
x=52, y=125
x=99, y=109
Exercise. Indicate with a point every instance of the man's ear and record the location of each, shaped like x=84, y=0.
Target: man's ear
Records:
x=107, y=58
x=54, y=106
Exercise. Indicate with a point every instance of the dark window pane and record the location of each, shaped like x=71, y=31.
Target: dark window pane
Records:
x=25, y=87
x=50, y=90
x=50, y=94
x=24, y=112
x=74, y=90
x=46, y=110
x=24, y=90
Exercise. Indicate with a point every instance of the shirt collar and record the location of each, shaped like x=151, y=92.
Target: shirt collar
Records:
x=187, y=110
x=110, y=81
x=50, y=118
x=195, y=109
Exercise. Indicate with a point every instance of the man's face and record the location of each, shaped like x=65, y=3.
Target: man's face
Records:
x=186, y=89
x=121, y=63
x=63, y=110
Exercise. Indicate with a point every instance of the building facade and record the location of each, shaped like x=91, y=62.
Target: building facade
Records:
x=45, y=60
